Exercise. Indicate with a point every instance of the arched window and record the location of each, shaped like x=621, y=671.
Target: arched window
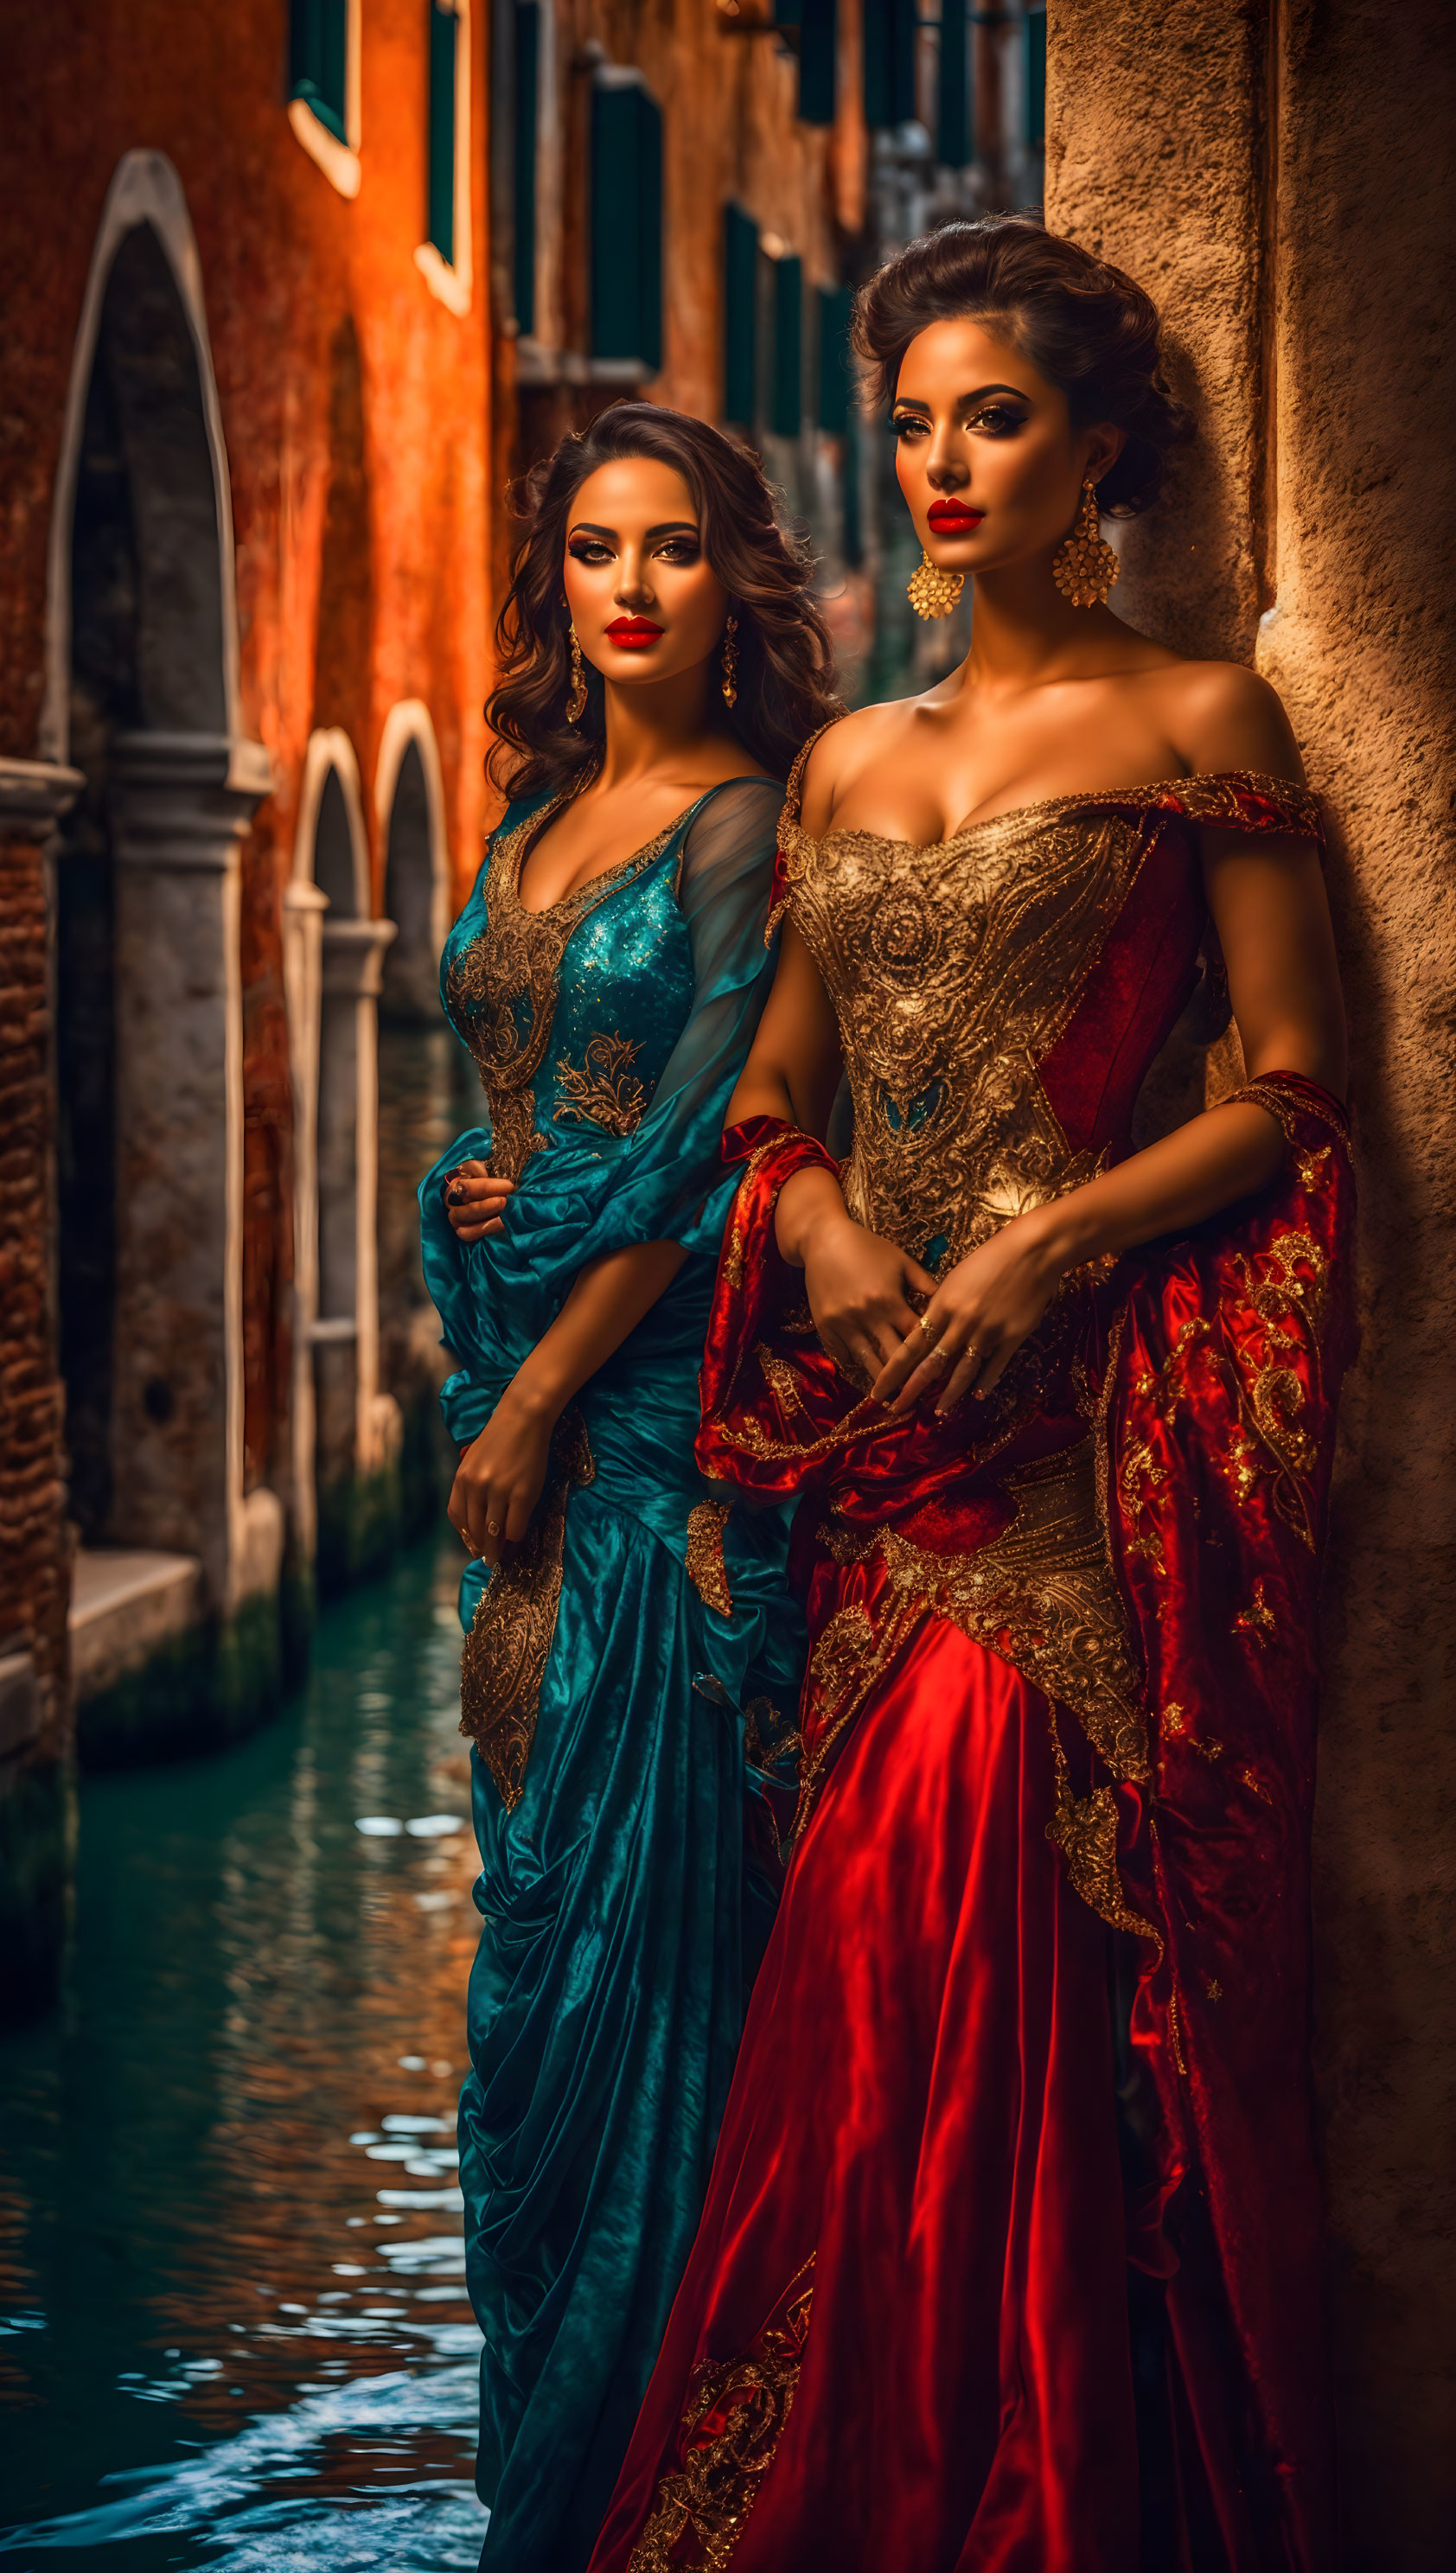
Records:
x=344, y=1433
x=420, y=1088
x=142, y=693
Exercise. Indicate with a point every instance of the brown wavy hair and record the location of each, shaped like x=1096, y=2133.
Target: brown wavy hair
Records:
x=785, y=662
x=1085, y=326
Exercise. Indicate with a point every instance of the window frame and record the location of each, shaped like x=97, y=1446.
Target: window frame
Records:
x=451, y=280
x=337, y=158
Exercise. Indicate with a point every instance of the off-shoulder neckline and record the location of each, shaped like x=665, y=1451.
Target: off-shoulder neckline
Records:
x=1161, y=792
x=531, y=822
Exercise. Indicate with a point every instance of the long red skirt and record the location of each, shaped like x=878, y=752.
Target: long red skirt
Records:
x=902, y=2343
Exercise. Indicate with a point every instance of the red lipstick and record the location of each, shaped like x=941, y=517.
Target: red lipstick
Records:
x=953, y=518
x=634, y=633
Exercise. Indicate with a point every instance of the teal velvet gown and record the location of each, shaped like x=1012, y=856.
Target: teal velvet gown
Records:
x=625, y=1677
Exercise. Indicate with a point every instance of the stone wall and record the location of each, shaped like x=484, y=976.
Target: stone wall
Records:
x=1280, y=173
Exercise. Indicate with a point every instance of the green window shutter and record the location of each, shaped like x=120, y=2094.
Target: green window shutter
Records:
x=786, y=397
x=889, y=62
x=626, y=223
x=442, y=36
x=1037, y=78
x=527, y=94
x=818, y=56
x=740, y=316
x=319, y=60
x=953, y=122
x=834, y=359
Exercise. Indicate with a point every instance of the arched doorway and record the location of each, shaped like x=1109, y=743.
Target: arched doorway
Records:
x=346, y=1432
x=142, y=694
x=420, y=1106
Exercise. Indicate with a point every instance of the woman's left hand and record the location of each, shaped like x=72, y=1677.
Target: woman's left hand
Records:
x=501, y=1476
x=975, y=1321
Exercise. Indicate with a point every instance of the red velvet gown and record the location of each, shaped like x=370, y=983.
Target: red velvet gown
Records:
x=1010, y=2257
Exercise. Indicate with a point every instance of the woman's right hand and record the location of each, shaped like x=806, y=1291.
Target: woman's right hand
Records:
x=474, y=1202
x=858, y=1287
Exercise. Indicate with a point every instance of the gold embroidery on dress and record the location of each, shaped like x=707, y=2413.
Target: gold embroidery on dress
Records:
x=767, y=1739
x=706, y=1569
x=851, y=1654
x=953, y=969
x=605, y=1091
x=732, y=2421
x=501, y=989
x=1257, y=1620
x=1085, y=1830
x=507, y=1650
x=1043, y=1596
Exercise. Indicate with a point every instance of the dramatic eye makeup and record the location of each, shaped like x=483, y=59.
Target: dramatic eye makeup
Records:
x=678, y=542
x=997, y=411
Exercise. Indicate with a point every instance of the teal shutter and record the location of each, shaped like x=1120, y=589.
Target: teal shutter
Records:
x=740, y=316
x=834, y=359
x=528, y=93
x=1037, y=78
x=319, y=60
x=443, y=35
x=786, y=398
x=818, y=56
x=889, y=62
x=953, y=121
x=627, y=224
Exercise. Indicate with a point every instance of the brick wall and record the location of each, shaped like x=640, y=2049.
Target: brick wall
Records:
x=34, y=1565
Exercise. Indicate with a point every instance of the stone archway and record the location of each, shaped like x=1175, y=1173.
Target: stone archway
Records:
x=345, y=1432
x=142, y=693
x=420, y=1085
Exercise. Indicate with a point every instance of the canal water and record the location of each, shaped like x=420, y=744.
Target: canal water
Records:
x=235, y=2329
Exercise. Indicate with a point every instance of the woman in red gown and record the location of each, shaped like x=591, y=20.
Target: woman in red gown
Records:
x=1010, y=2258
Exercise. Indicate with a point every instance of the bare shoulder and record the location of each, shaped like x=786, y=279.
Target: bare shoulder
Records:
x=840, y=754
x=1220, y=715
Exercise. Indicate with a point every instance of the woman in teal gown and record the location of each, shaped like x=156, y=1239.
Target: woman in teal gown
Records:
x=632, y=1657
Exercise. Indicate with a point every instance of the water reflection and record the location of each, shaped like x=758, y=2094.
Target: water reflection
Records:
x=235, y=2327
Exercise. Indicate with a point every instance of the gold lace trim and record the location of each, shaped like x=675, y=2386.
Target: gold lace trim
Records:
x=706, y=1569
x=605, y=1091
x=512, y=967
x=509, y=1642
x=731, y=2425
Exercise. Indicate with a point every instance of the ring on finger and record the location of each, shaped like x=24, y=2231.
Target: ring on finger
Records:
x=493, y=1527
x=941, y=1358
x=922, y=1325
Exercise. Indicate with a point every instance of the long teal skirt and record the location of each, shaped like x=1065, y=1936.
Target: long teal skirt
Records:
x=623, y=1914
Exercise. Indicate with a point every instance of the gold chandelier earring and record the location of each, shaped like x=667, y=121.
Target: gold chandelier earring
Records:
x=576, y=700
x=932, y=592
x=1085, y=567
x=730, y=661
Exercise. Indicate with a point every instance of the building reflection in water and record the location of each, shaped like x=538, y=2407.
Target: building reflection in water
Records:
x=229, y=2229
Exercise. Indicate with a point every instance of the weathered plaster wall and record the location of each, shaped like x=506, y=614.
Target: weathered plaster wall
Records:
x=1280, y=173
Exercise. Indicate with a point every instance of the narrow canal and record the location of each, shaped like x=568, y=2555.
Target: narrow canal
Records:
x=234, y=2328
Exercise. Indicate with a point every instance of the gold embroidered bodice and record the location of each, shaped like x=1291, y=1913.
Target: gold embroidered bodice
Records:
x=506, y=995
x=954, y=969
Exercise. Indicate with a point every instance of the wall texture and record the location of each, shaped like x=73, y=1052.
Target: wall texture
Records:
x=1280, y=173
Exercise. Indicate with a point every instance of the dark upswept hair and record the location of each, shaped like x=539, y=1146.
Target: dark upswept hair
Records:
x=785, y=663
x=1085, y=326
